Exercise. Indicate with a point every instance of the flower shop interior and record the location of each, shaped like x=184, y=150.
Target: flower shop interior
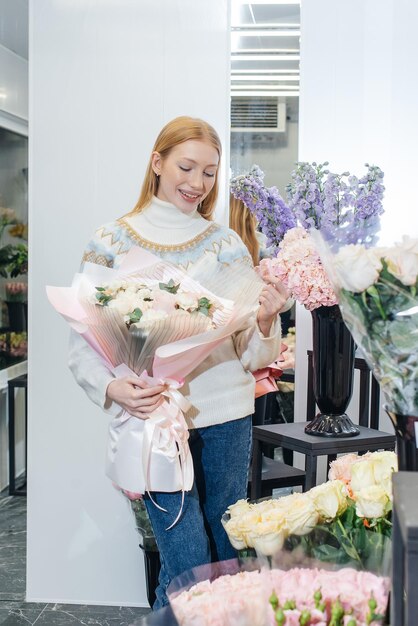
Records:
x=298, y=88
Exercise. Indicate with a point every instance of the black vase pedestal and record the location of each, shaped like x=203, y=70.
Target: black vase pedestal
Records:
x=333, y=353
x=406, y=430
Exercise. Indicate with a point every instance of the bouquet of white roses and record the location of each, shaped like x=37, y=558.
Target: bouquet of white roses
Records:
x=151, y=319
x=345, y=520
x=377, y=291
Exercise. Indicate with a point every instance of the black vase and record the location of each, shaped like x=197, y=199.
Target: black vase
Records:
x=406, y=429
x=17, y=316
x=333, y=353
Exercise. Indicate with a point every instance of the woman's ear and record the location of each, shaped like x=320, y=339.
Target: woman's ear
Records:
x=156, y=162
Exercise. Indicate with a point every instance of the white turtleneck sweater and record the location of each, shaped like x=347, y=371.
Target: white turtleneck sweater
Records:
x=221, y=388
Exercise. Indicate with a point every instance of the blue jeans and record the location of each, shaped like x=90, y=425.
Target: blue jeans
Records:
x=221, y=457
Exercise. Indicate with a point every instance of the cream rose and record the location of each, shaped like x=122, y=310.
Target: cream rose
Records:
x=300, y=514
x=144, y=293
x=245, y=525
x=187, y=301
x=239, y=508
x=329, y=499
x=372, y=502
x=125, y=303
x=402, y=262
x=362, y=475
x=356, y=267
x=268, y=538
x=410, y=244
x=150, y=317
x=235, y=536
x=384, y=464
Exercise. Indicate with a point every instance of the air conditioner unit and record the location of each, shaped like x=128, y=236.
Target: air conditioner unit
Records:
x=258, y=114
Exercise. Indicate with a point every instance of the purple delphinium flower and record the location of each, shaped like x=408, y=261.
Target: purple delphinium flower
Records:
x=336, y=202
x=273, y=215
x=344, y=207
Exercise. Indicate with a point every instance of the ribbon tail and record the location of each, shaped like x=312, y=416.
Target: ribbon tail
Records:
x=179, y=513
x=149, y=435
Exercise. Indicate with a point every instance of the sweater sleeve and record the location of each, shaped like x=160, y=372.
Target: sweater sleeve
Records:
x=253, y=349
x=91, y=373
x=85, y=364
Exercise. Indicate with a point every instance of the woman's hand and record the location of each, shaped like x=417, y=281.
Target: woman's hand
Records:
x=272, y=299
x=135, y=396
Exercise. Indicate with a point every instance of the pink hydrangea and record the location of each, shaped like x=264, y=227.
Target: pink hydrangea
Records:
x=299, y=267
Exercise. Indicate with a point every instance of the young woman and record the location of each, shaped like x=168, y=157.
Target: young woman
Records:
x=173, y=219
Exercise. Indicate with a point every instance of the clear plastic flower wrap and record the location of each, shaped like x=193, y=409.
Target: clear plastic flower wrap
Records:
x=376, y=281
x=294, y=590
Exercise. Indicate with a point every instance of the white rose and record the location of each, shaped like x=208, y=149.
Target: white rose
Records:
x=278, y=516
x=362, y=475
x=143, y=293
x=300, y=514
x=187, y=301
x=410, y=244
x=265, y=505
x=357, y=268
x=384, y=464
x=150, y=317
x=234, y=535
x=330, y=499
x=131, y=288
x=372, y=502
x=124, y=303
x=403, y=263
x=245, y=525
x=239, y=508
x=268, y=538
x=116, y=285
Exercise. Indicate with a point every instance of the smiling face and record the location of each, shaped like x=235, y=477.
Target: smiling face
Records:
x=187, y=174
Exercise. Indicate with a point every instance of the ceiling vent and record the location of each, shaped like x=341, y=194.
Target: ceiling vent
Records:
x=256, y=114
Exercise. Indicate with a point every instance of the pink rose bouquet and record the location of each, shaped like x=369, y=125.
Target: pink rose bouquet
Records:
x=278, y=597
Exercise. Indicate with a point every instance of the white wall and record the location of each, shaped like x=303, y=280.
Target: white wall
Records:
x=104, y=78
x=358, y=104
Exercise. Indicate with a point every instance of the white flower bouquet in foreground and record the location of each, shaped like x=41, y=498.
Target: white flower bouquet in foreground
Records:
x=150, y=319
x=377, y=292
x=298, y=596
x=346, y=520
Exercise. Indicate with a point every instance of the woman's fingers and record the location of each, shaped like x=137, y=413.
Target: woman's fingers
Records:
x=135, y=396
x=145, y=412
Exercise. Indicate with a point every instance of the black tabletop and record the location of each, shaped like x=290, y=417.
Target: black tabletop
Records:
x=293, y=436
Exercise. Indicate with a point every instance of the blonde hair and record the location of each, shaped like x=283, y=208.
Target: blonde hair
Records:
x=178, y=131
x=244, y=223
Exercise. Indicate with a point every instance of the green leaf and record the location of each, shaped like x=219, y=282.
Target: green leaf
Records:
x=205, y=303
x=171, y=286
x=103, y=298
x=374, y=294
x=100, y=288
x=135, y=316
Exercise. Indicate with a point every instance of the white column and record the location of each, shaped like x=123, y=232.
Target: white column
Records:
x=104, y=78
x=358, y=105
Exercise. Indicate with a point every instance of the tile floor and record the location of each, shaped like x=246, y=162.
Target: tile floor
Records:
x=14, y=611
